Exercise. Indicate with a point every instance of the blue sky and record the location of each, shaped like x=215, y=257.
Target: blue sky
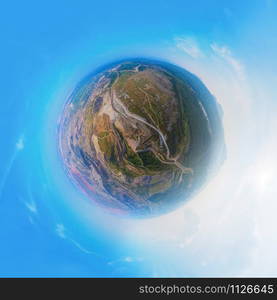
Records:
x=48, y=228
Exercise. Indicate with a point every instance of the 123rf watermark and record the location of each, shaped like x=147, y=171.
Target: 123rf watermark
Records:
x=228, y=289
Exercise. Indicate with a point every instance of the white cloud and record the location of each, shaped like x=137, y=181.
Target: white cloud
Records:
x=20, y=143
x=189, y=46
x=61, y=231
x=18, y=147
x=126, y=259
x=30, y=203
x=32, y=207
x=225, y=53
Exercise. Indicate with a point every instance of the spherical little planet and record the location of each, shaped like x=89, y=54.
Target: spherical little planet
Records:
x=140, y=137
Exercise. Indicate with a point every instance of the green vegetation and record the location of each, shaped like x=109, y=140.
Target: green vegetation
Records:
x=106, y=146
x=150, y=161
x=133, y=157
x=103, y=134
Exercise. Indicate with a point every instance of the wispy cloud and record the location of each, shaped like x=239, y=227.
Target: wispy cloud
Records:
x=61, y=232
x=189, y=45
x=18, y=147
x=20, y=143
x=126, y=259
x=32, y=207
x=31, y=203
x=225, y=53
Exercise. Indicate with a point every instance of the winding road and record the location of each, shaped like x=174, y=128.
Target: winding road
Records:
x=121, y=109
